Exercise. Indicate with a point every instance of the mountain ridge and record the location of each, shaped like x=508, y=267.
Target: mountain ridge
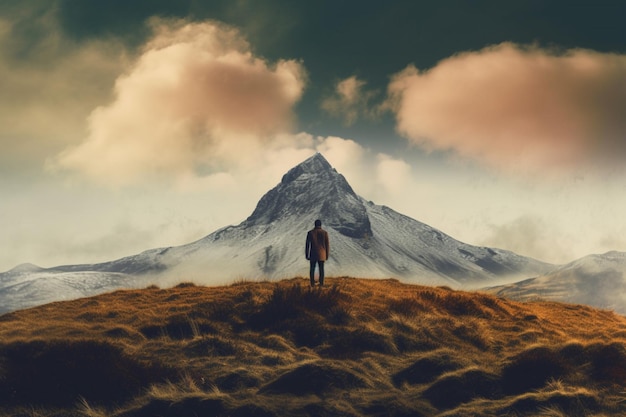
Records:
x=367, y=240
x=597, y=279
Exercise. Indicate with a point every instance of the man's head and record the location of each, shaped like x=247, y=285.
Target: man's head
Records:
x=318, y=223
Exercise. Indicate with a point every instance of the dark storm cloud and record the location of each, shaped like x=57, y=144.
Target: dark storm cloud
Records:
x=49, y=83
x=93, y=19
x=373, y=37
x=262, y=20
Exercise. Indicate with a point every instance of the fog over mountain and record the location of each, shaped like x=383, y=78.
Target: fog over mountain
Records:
x=367, y=240
x=597, y=280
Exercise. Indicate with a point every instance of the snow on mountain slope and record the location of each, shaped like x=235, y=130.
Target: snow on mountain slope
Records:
x=43, y=287
x=407, y=242
x=367, y=240
x=596, y=280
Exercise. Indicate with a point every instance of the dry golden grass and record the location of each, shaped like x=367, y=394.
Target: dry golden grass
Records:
x=360, y=347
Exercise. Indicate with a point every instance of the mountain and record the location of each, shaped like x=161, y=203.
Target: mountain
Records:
x=596, y=280
x=367, y=240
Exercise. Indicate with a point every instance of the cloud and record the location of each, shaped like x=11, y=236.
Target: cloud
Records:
x=517, y=108
x=373, y=175
x=341, y=152
x=529, y=235
x=349, y=100
x=48, y=83
x=197, y=100
x=612, y=240
x=394, y=175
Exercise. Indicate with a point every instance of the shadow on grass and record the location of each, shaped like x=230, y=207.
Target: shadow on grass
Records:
x=426, y=370
x=59, y=373
x=191, y=406
x=314, y=378
x=532, y=369
x=451, y=390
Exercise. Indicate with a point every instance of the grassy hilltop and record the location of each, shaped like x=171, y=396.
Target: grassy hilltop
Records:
x=358, y=348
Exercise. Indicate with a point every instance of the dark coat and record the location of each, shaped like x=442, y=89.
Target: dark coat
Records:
x=317, y=247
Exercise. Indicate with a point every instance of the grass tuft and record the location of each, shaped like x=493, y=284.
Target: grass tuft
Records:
x=185, y=285
x=408, y=307
x=532, y=369
x=293, y=301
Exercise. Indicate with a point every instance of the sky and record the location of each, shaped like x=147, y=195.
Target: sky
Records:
x=126, y=126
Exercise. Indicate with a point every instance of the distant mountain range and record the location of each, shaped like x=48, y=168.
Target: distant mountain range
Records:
x=367, y=240
x=597, y=280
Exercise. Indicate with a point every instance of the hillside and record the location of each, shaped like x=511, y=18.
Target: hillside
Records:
x=357, y=348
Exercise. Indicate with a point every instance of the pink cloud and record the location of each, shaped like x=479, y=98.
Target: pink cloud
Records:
x=348, y=100
x=195, y=100
x=517, y=108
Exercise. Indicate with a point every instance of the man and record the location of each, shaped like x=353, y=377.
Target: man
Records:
x=317, y=250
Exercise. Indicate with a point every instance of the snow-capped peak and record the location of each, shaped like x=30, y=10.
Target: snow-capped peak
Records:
x=315, y=165
x=367, y=240
x=314, y=189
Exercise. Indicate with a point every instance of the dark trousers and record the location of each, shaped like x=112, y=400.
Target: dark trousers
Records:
x=312, y=271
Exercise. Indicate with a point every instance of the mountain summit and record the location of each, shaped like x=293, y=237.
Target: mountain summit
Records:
x=314, y=189
x=367, y=240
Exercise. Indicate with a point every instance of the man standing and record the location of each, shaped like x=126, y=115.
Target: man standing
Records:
x=317, y=250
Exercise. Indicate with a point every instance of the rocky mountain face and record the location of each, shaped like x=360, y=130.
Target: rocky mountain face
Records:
x=367, y=240
x=596, y=280
x=314, y=189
